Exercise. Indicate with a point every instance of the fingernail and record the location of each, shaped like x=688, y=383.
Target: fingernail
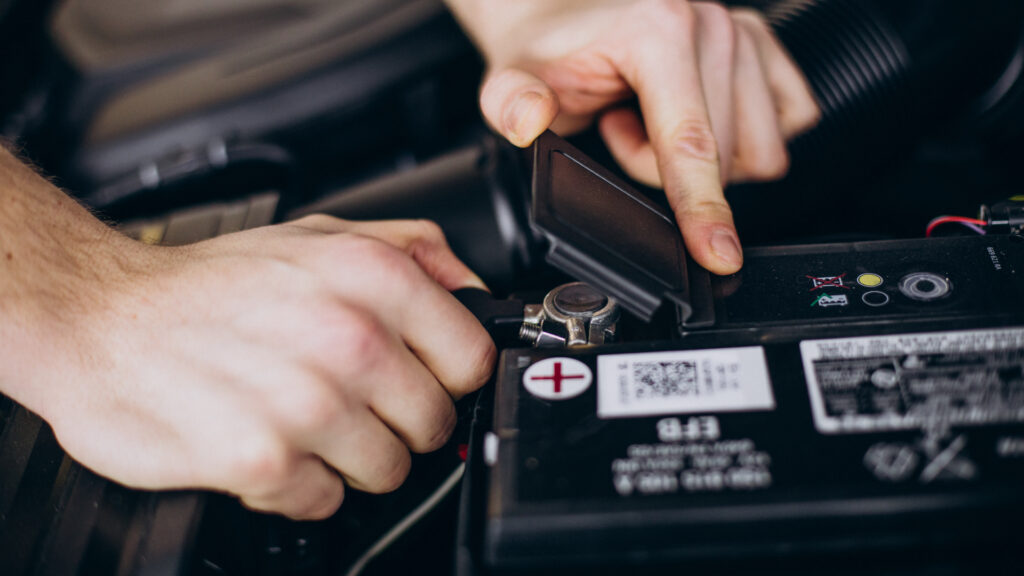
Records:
x=475, y=282
x=517, y=114
x=726, y=247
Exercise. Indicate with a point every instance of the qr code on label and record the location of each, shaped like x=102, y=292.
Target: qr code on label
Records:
x=683, y=382
x=665, y=379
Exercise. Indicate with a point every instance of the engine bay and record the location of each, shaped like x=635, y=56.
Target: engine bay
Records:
x=852, y=400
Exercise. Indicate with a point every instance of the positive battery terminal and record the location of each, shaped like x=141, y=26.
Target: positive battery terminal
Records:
x=573, y=314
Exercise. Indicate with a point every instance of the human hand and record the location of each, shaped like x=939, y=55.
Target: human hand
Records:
x=268, y=362
x=719, y=96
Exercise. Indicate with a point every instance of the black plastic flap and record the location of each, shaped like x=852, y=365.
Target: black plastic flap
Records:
x=607, y=234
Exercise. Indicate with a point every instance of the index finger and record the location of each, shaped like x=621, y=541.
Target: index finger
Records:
x=668, y=84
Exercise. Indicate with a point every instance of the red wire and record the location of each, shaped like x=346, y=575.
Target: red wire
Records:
x=947, y=219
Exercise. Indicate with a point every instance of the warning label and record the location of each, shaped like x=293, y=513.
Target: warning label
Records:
x=683, y=382
x=913, y=381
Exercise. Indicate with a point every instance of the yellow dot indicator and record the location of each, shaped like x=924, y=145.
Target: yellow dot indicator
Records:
x=869, y=280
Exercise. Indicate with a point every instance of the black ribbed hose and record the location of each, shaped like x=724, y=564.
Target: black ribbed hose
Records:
x=887, y=71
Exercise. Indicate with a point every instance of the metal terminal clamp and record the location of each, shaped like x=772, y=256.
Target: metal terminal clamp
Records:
x=578, y=314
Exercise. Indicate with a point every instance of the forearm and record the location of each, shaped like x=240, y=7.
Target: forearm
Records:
x=55, y=260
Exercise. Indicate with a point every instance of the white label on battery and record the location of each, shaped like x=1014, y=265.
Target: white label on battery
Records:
x=683, y=382
x=557, y=378
x=911, y=381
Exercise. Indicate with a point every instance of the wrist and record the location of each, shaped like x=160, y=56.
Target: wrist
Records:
x=59, y=272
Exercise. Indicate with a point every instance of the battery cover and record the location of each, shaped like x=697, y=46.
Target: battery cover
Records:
x=605, y=233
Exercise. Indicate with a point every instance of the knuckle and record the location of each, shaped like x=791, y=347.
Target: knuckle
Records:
x=366, y=248
x=263, y=464
x=694, y=139
x=396, y=267
x=317, y=220
x=359, y=342
x=481, y=364
x=327, y=503
x=391, y=476
x=274, y=271
x=428, y=240
x=429, y=230
x=309, y=407
x=714, y=209
x=327, y=253
x=441, y=430
x=325, y=509
x=475, y=370
x=709, y=210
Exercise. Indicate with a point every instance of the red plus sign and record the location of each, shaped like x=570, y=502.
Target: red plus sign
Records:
x=557, y=377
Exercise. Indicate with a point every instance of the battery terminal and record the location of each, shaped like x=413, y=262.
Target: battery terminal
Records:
x=573, y=314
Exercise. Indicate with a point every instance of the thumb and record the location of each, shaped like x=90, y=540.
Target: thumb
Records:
x=518, y=105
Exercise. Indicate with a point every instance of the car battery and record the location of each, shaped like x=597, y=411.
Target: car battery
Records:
x=831, y=408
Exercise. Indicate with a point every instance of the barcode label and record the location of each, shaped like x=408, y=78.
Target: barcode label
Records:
x=683, y=382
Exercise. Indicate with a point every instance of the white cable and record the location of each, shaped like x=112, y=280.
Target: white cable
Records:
x=415, y=516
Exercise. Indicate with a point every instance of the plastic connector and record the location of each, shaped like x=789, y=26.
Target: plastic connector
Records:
x=1006, y=217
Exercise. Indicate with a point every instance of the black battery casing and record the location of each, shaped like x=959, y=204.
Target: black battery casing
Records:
x=922, y=464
